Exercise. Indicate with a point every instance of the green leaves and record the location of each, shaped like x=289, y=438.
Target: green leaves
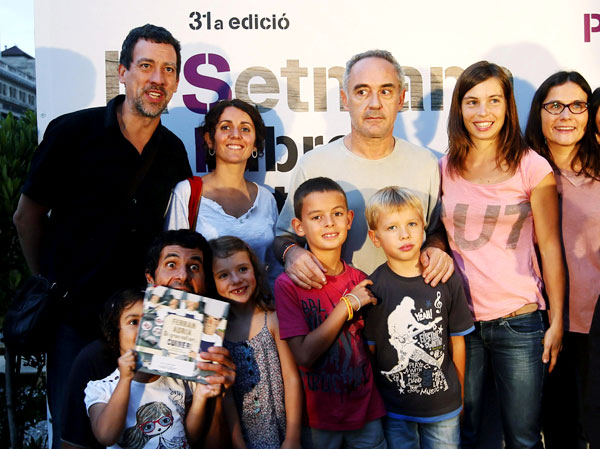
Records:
x=18, y=141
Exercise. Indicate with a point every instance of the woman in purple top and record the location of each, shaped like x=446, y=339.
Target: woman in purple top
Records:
x=562, y=129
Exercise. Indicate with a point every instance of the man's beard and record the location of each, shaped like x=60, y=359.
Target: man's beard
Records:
x=143, y=110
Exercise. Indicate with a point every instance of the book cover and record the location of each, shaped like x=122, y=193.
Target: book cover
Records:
x=175, y=328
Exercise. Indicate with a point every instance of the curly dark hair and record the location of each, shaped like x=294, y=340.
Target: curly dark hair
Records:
x=228, y=245
x=211, y=121
x=111, y=317
x=151, y=33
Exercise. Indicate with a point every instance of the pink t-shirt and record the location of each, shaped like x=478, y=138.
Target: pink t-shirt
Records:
x=580, y=202
x=339, y=390
x=491, y=234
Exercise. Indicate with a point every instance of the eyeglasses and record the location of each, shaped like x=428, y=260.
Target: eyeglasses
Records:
x=556, y=107
x=163, y=421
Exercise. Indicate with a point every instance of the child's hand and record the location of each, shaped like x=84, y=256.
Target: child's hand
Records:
x=127, y=364
x=206, y=391
x=363, y=294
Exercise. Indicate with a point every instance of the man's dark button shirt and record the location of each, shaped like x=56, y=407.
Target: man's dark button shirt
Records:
x=99, y=234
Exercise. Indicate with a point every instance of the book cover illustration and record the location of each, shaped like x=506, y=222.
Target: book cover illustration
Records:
x=175, y=328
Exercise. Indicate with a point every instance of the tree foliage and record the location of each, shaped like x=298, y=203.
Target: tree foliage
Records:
x=18, y=141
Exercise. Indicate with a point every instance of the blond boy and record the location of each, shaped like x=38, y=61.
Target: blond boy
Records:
x=415, y=331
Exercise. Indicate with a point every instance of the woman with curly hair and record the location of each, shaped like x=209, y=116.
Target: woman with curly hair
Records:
x=234, y=137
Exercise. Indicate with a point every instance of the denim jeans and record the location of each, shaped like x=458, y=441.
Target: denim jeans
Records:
x=401, y=434
x=512, y=348
x=370, y=436
x=61, y=355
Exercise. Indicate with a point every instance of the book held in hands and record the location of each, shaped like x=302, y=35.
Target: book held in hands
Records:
x=175, y=328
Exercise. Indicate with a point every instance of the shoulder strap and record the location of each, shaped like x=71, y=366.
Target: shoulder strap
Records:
x=195, y=197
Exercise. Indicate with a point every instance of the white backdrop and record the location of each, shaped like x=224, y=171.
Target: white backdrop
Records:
x=291, y=69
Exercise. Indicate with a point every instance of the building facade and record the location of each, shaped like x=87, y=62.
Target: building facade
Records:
x=17, y=82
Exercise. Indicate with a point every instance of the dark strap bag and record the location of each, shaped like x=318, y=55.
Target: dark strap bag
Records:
x=29, y=319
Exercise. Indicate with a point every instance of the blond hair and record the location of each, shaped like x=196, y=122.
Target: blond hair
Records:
x=391, y=199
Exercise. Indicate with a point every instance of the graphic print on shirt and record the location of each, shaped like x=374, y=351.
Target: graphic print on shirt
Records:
x=490, y=220
x=337, y=370
x=153, y=419
x=417, y=338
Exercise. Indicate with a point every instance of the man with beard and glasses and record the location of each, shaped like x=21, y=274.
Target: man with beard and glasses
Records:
x=95, y=197
x=362, y=162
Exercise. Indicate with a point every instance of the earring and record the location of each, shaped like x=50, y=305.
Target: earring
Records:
x=254, y=153
x=211, y=151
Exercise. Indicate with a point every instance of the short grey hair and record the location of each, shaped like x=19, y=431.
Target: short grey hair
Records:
x=382, y=54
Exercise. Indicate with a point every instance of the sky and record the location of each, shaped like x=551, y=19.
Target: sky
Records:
x=16, y=25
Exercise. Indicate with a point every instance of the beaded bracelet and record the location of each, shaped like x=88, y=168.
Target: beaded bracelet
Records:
x=285, y=251
x=349, y=307
x=352, y=295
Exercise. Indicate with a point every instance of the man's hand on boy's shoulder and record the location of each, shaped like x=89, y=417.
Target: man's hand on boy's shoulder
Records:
x=304, y=269
x=437, y=265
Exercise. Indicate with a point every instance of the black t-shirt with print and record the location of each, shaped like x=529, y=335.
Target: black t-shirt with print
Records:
x=410, y=327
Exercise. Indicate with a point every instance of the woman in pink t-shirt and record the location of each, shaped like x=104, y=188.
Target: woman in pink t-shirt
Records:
x=561, y=129
x=499, y=197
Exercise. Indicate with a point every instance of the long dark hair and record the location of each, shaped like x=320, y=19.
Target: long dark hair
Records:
x=588, y=151
x=228, y=245
x=594, y=106
x=510, y=146
x=111, y=317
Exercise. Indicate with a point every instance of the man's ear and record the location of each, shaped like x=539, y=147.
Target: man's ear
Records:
x=297, y=226
x=374, y=238
x=402, y=98
x=344, y=98
x=122, y=69
x=149, y=278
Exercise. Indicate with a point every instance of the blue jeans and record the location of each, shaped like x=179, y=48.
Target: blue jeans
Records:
x=61, y=355
x=512, y=348
x=370, y=436
x=401, y=434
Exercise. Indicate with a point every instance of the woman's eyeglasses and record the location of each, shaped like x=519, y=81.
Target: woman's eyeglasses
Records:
x=556, y=107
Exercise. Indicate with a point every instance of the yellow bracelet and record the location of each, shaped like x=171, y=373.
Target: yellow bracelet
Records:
x=349, y=307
